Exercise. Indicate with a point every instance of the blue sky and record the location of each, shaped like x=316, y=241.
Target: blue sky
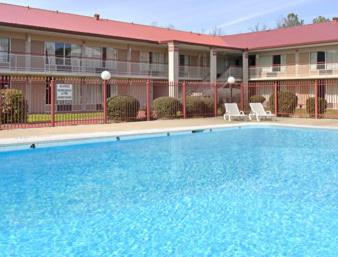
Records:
x=195, y=15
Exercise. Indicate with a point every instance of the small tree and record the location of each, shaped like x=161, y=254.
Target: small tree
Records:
x=310, y=105
x=257, y=99
x=13, y=106
x=166, y=107
x=320, y=19
x=291, y=20
x=123, y=108
x=286, y=102
x=259, y=27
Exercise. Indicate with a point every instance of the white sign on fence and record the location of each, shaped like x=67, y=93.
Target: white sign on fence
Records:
x=64, y=92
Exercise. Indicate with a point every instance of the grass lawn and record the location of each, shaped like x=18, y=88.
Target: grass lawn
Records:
x=36, y=118
x=328, y=112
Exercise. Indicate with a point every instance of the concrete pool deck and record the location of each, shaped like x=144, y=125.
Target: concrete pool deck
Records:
x=28, y=135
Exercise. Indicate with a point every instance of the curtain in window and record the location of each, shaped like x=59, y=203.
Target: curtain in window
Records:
x=331, y=59
x=266, y=63
x=313, y=61
x=75, y=57
x=93, y=58
x=111, y=62
x=50, y=53
x=158, y=60
x=283, y=63
x=144, y=59
x=4, y=50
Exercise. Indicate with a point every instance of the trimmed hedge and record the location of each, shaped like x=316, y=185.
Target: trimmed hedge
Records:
x=257, y=99
x=13, y=106
x=123, y=108
x=199, y=106
x=166, y=107
x=310, y=105
x=287, y=102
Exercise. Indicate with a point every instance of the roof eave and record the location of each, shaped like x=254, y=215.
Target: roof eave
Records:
x=293, y=45
x=201, y=44
x=75, y=32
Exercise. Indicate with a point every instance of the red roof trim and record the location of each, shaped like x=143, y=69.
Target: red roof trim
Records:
x=76, y=33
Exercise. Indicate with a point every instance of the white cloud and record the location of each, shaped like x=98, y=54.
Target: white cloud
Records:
x=261, y=13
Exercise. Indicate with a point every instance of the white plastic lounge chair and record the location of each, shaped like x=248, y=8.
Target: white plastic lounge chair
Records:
x=257, y=111
x=232, y=111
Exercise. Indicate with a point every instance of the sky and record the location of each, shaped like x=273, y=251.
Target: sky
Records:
x=203, y=16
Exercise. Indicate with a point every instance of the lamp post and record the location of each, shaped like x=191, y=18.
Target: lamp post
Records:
x=231, y=80
x=105, y=76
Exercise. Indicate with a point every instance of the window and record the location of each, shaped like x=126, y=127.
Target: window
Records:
x=276, y=63
x=61, y=54
x=111, y=58
x=321, y=60
x=182, y=60
x=4, y=50
x=252, y=60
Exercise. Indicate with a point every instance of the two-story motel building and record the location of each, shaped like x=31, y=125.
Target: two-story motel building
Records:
x=37, y=45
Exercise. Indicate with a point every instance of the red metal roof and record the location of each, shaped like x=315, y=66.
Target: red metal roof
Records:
x=21, y=16
x=301, y=35
x=58, y=21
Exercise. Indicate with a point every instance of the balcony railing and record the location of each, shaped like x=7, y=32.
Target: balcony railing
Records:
x=233, y=71
x=193, y=72
x=79, y=65
x=319, y=70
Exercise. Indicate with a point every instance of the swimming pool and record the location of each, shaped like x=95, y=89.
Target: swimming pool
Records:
x=246, y=191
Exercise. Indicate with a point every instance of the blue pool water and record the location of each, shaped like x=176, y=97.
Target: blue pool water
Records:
x=239, y=192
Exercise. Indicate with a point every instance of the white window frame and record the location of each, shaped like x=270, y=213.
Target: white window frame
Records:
x=5, y=57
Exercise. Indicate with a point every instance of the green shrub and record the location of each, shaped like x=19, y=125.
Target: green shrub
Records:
x=209, y=105
x=123, y=108
x=287, y=102
x=199, y=105
x=13, y=106
x=310, y=105
x=166, y=107
x=257, y=99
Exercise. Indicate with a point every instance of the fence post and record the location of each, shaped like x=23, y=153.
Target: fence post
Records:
x=276, y=98
x=0, y=112
x=184, y=103
x=148, y=99
x=104, y=95
x=242, y=96
x=215, y=99
x=52, y=101
x=316, y=99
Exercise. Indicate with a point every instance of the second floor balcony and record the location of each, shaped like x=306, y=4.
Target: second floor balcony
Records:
x=294, y=71
x=82, y=66
x=40, y=64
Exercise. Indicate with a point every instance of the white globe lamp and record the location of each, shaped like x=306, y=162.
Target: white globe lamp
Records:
x=231, y=80
x=105, y=75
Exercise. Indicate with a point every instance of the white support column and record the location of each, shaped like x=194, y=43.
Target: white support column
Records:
x=83, y=55
x=173, y=69
x=129, y=60
x=245, y=79
x=28, y=50
x=297, y=63
x=213, y=66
